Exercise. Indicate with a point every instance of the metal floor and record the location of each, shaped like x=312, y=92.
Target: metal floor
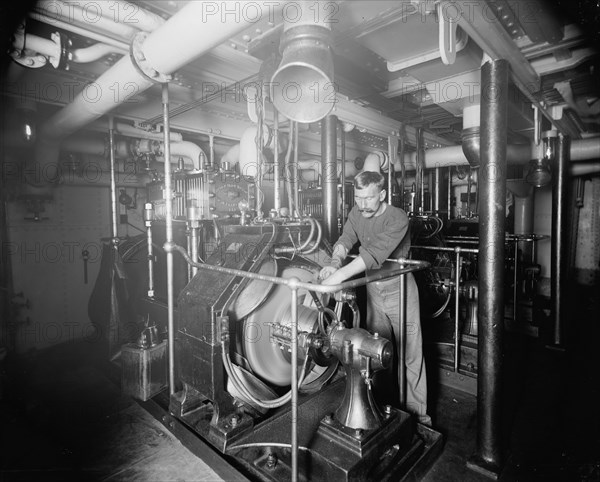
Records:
x=62, y=419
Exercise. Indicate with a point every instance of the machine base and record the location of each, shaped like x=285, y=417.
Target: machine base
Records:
x=329, y=451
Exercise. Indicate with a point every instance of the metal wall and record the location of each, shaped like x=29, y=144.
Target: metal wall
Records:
x=47, y=265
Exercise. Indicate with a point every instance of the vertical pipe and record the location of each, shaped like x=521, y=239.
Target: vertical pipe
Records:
x=477, y=193
x=524, y=214
x=390, y=173
x=194, y=248
x=296, y=183
x=113, y=181
x=456, y=308
x=329, y=176
x=402, y=169
x=437, y=185
x=492, y=181
x=402, y=345
x=515, y=280
x=169, y=239
x=211, y=154
x=294, y=380
x=343, y=174
x=276, y=167
x=469, y=188
x=188, y=238
x=559, y=257
x=449, y=193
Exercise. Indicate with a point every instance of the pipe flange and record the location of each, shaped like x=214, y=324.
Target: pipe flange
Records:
x=64, y=44
x=29, y=61
x=141, y=63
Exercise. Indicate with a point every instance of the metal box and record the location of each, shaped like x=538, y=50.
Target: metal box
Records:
x=144, y=370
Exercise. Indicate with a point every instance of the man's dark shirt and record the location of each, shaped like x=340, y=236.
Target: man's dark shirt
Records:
x=380, y=237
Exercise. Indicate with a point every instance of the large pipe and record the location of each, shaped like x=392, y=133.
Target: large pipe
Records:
x=518, y=154
x=96, y=146
x=524, y=214
x=86, y=14
x=492, y=182
x=128, y=130
x=559, y=256
x=329, y=176
x=123, y=47
x=119, y=11
x=185, y=36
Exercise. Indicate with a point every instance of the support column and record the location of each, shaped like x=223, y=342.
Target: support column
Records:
x=560, y=232
x=329, y=177
x=492, y=182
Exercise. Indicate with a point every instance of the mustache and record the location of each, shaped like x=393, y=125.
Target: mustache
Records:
x=366, y=211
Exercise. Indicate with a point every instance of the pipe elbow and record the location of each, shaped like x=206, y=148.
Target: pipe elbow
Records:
x=191, y=151
x=471, y=145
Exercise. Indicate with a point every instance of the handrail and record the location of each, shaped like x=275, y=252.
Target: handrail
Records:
x=508, y=237
x=456, y=249
x=409, y=266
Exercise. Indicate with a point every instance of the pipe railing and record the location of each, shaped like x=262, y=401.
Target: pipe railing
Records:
x=406, y=266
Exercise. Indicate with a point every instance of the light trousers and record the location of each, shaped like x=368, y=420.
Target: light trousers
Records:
x=383, y=317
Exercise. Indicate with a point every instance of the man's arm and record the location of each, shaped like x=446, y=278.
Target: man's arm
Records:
x=339, y=255
x=356, y=266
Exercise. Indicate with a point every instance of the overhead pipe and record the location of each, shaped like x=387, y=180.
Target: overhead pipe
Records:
x=92, y=53
x=89, y=14
x=559, y=244
x=120, y=11
x=329, y=177
x=492, y=183
x=127, y=130
x=516, y=154
x=587, y=169
x=188, y=150
x=96, y=146
x=180, y=40
x=54, y=51
x=118, y=45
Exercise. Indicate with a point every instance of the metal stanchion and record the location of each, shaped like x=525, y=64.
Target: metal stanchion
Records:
x=402, y=344
x=169, y=239
x=294, y=379
x=456, y=308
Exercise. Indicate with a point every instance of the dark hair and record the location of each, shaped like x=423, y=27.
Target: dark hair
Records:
x=366, y=178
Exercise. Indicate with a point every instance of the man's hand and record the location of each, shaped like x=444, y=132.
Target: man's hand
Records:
x=326, y=272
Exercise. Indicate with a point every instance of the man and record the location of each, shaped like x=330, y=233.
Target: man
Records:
x=382, y=231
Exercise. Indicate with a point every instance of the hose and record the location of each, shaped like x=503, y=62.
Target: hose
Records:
x=316, y=244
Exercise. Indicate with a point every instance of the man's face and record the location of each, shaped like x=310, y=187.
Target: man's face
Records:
x=368, y=199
